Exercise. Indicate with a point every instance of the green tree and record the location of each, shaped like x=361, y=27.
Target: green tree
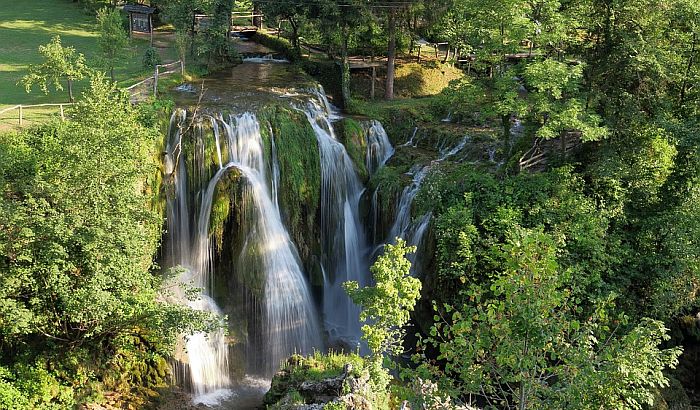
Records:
x=113, y=39
x=556, y=106
x=59, y=63
x=516, y=342
x=387, y=305
x=77, y=235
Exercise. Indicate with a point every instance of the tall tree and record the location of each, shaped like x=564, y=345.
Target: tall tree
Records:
x=60, y=63
x=390, y=55
x=113, y=39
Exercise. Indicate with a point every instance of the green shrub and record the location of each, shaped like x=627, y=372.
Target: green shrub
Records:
x=151, y=58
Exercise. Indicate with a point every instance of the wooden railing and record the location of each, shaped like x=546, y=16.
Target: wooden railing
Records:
x=169, y=69
x=23, y=107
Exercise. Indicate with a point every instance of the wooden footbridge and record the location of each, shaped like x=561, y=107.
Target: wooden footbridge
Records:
x=238, y=23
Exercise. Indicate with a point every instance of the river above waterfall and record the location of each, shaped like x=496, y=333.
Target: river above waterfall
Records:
x=246, y=86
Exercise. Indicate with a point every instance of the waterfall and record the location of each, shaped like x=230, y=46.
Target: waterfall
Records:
x=289, y=318
x=289, y=321
x=410, y=142
x=379, y=149
x=401, y=225
x=343, y=239
x=446, y=152
x=207, y=355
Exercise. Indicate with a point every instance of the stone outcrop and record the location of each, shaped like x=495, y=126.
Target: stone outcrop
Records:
x=350, y=390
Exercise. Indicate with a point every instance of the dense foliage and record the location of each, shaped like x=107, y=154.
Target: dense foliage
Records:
x=77, y=238
x=563, y=273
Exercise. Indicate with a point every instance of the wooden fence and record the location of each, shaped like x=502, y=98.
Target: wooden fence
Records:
x=151, y=83
x=22, y=108
x=142, y=88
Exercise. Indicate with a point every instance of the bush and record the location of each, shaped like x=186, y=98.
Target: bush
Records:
x=151, y=58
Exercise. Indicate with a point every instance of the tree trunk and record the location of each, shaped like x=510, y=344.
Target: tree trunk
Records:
x=391, y=55
x=345, y=69
x=70, y=90
x=295, y=37
x=257, y=20
x=505, y=122
x=111, y=73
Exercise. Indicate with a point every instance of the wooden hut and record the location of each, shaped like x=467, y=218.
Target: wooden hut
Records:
x=140, y=18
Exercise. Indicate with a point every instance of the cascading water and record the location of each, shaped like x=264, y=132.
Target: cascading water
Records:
x=207, y=355
x=410, y=142
x=379, y=149
x=403, y=226
x=288, y=318
x=229, y=177
x=342, y=236
x=402, y=223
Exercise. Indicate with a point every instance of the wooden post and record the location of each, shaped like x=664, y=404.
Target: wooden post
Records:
x=420, y=46
x=182, y=67
x=63, y=118
x=279, y=28
x=20, y=115
x=155, y=82
x=150, y=27
x=374, y=79
x=436, y=50
x=131, y=26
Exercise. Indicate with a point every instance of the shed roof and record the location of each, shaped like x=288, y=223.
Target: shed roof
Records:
x=139, y=8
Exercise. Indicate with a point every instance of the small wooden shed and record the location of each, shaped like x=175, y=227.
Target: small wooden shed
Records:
x=140, y=18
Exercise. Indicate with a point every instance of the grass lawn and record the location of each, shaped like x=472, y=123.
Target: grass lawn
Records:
x=24, y=25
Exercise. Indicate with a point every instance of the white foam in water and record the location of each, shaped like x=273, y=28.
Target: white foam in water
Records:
x=213, y=398
x=258, y=383
x=269, y=58
x=186, y=88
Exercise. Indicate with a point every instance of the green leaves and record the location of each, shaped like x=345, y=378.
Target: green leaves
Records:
x=515, y=340
x=59, y=63
x=113, y=39
x=386, y=306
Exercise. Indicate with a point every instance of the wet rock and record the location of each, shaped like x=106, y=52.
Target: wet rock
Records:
x=347, y=390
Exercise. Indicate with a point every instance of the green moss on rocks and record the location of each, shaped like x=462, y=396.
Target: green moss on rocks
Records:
x=222, y=203
x=333, y=381
x=300, y=175
x=352, y=135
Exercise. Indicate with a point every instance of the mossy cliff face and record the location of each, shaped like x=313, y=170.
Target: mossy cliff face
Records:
x=352, y=135
x=296, y=151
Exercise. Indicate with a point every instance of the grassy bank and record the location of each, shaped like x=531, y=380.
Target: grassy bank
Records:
x=27, y=25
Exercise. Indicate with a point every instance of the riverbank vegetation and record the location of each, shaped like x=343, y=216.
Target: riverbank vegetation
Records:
x=593, y=173
x=80, y=312
x=559, y=154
